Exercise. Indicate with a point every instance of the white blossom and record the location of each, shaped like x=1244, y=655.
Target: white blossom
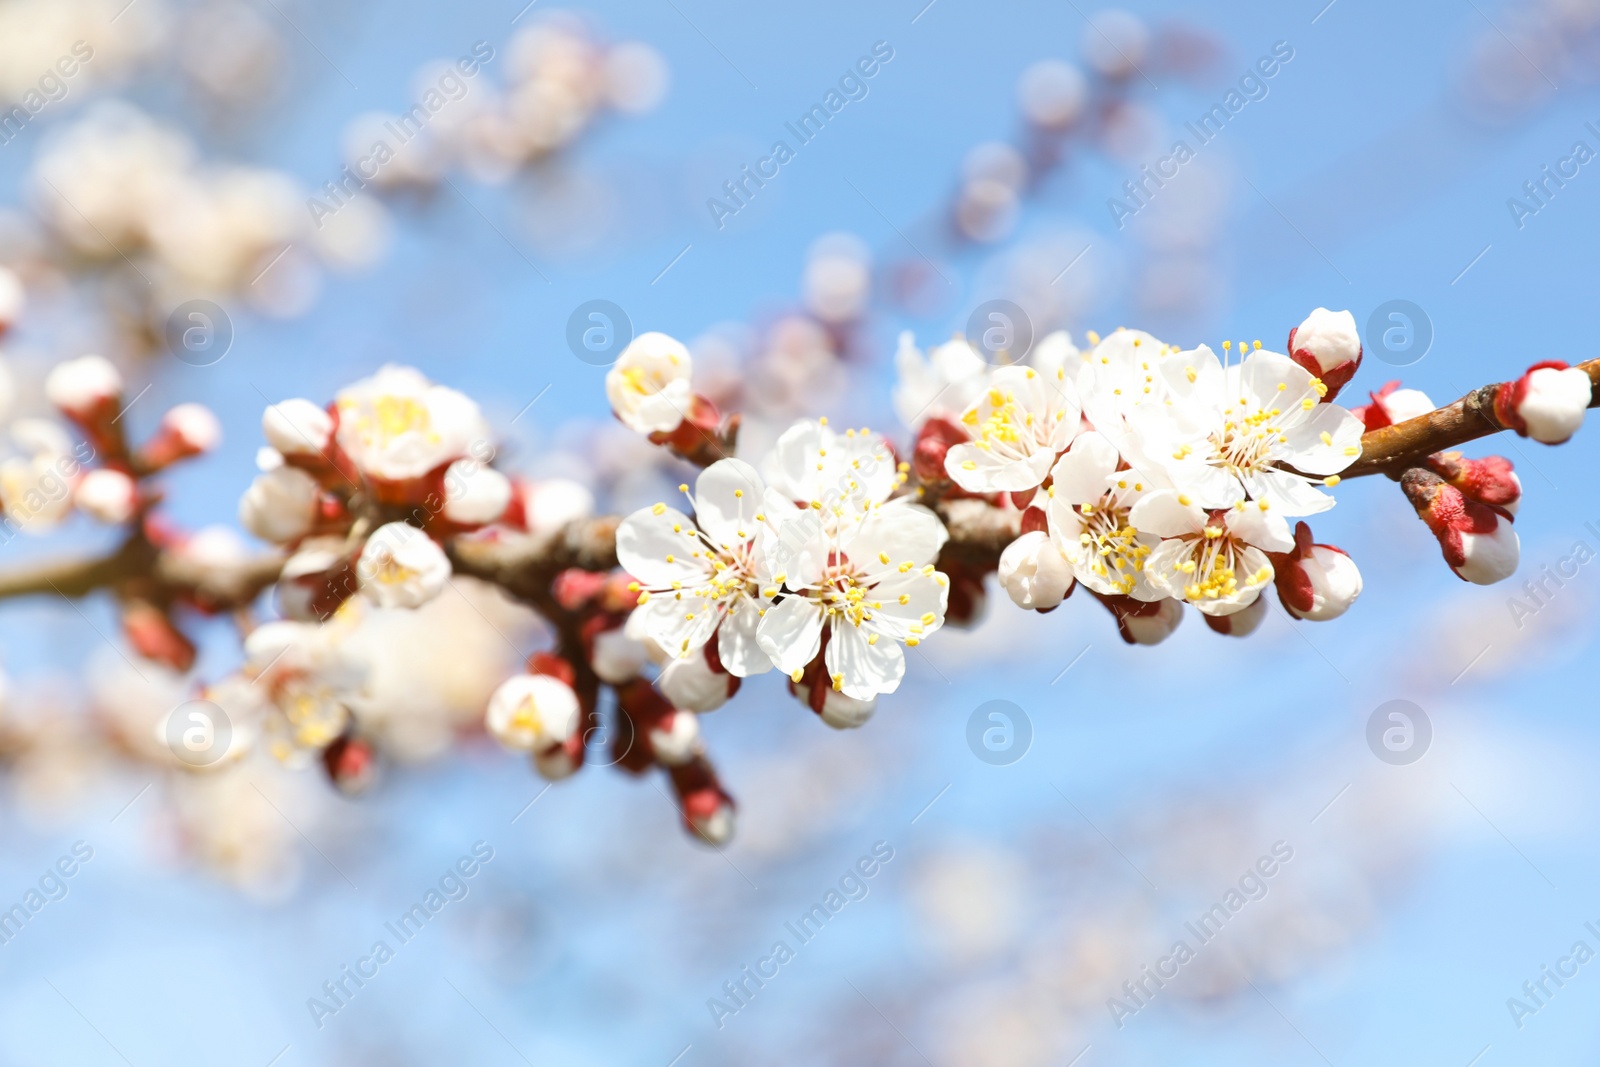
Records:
x=872, y=584
x=1228, y=432
x=1088, y=509
x=691, y=684
x=1021, y=422
x=705, y=576
x=402, y=567
x=649, y=385
x=532, y=712
x=1214, y=560
x=397, y=425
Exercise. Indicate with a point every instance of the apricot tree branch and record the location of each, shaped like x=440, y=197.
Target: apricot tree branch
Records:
x=1393, y=449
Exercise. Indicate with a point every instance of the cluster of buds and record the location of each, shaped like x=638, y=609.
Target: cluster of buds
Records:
x=110, y=481
x=364, y=491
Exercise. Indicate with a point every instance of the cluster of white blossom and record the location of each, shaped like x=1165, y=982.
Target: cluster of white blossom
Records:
x=560, y=78
x=117, y=186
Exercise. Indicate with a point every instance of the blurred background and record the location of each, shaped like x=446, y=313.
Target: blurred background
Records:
x=984, y=159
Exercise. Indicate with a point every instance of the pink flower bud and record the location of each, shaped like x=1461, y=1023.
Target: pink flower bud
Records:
x=1547, y=403
x=352, y=764
x=298, y=428
x=1478, y=540
x=1329, y=346
x=1241, y=623
x=107, y=496
x=934, y=441
x=1490, y=479
x=1143, y=622
x=1034, y=573
x=675, y=738
x=84, y=388
x=708, y=811
x=187, y=430
x=1392, y=404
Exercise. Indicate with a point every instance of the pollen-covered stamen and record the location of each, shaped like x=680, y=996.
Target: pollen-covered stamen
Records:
x=1212, y=569
x=1108, y=533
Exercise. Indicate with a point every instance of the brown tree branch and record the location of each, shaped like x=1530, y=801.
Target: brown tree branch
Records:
x=1393, y=449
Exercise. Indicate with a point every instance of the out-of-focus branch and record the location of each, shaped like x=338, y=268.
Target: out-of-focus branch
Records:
x=137, y=562
x=1393, y=449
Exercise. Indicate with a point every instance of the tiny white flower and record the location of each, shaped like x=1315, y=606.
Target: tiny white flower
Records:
x=708, y=575
x=840, y=475
x=649, y=385
x=1120, y=377
x=280, y=505
x=1034, y=573
x=397, y=425
x=402, y=567
x=107, y=496
x=872, y=585
x=1055, y=352
x=1019, y=425
x=532, y=712
x=297, y=427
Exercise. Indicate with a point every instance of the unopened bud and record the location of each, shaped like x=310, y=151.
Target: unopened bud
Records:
x=1034, y=573
x=1329, y=346
x=1547, y=403
x=1490, y=479
x=1478, y=540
